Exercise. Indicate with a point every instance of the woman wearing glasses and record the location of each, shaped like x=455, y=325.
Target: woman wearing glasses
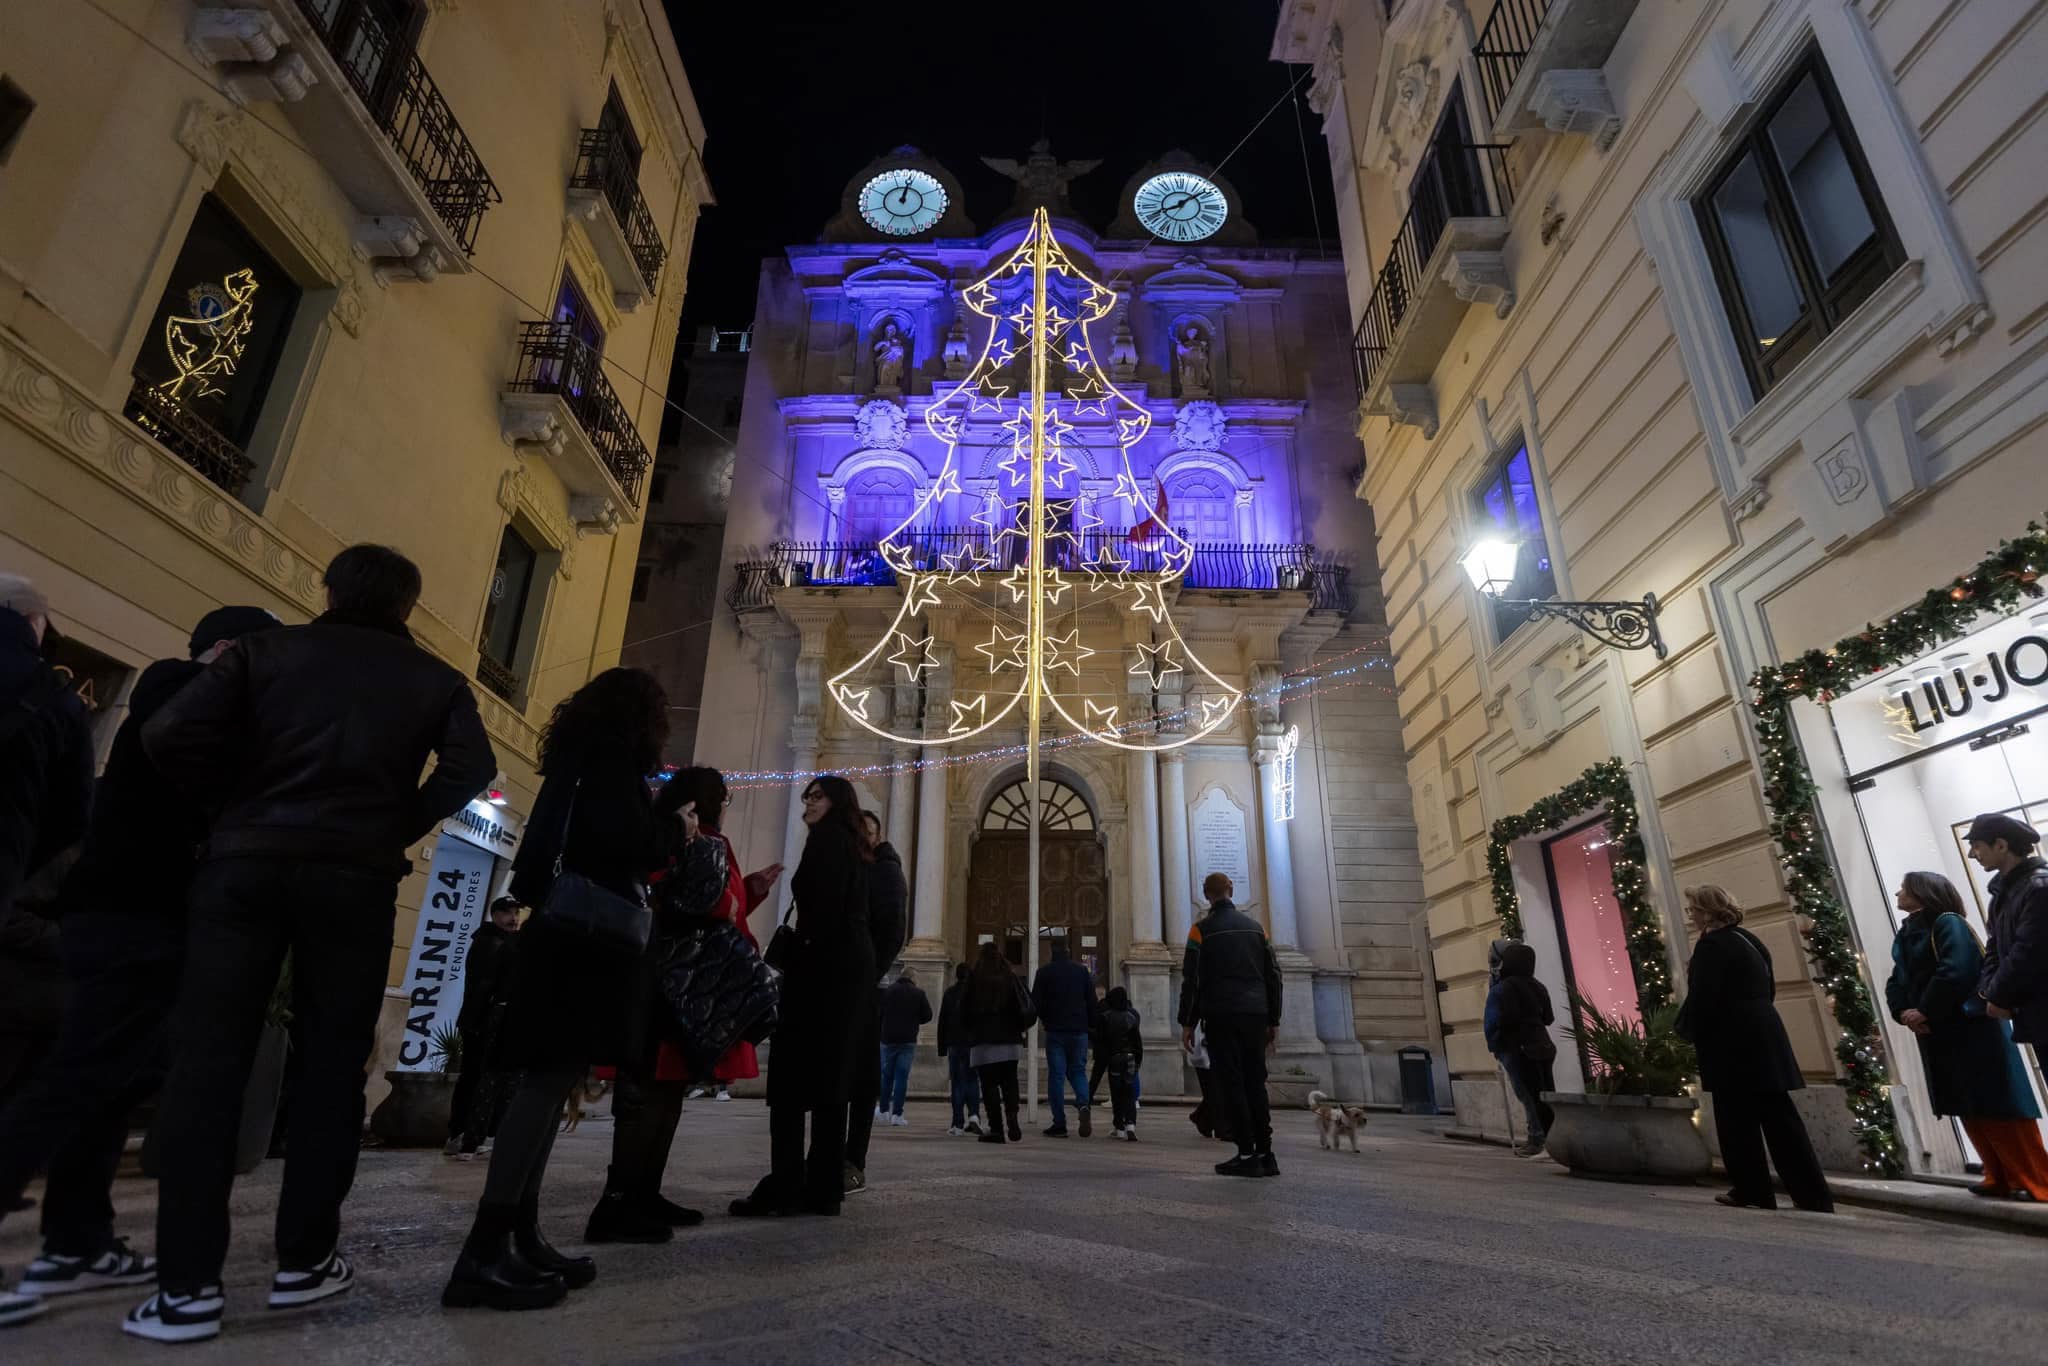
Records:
x=827, y=981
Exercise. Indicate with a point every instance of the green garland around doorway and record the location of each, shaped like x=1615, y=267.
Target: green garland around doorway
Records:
x=1605, y=784
x=2006, y=578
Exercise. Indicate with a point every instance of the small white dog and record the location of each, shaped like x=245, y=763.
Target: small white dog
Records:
x=1334, y=1122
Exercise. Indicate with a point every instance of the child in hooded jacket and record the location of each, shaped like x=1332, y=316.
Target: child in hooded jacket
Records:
x=1118, y=1040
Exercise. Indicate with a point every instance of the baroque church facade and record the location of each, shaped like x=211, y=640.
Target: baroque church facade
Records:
x=1236, y=351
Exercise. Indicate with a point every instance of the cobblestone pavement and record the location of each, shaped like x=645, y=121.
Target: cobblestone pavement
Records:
x=1418, y=1249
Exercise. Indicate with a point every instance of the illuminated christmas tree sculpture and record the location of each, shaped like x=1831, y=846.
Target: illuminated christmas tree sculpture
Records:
x=1038, y=381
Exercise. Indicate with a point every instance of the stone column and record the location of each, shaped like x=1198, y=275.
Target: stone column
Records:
x=1301, y=1061
x=1176, y=860
x=1278, y=849
x=901, y=786
x=928, y=900
x=1146, y=905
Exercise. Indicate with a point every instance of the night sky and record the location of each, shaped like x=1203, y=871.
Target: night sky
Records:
x=793, y=107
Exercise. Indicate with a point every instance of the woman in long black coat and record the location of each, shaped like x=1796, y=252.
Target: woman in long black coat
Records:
x=571, y=1002
x=1746, y=1060
x=827, y=982
x=1973, y=1068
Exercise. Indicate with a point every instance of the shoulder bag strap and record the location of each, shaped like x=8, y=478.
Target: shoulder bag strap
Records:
x=568, y=811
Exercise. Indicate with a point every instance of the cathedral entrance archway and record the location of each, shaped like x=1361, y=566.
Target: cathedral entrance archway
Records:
x=1072, y=867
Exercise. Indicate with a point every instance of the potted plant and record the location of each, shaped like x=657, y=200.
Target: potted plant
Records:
x=1638, y=1122
x=415, y=1112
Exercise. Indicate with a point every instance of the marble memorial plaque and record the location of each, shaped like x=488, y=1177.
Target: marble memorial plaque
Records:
x=1217, y=832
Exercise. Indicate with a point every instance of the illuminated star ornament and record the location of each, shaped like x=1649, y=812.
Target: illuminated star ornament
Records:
x=1037, y=395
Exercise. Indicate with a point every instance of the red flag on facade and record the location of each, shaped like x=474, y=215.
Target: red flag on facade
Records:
x=1147, y=532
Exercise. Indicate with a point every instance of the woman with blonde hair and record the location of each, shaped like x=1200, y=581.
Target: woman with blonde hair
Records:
x=1746, y=1061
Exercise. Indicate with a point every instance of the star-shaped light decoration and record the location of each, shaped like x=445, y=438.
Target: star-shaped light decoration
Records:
x=919, y=592
x=969, y=716
x=965, y=565
x=1018, y=581
x=1107, y=570
x=1150, y=597
x=914, y=656
x=1101, y=719
x=1005, y=649
x=1066, y=652
x=1156, y=661
x=1214, y=709
x=854, y=700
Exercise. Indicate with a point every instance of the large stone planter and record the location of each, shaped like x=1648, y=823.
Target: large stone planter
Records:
x=1641, y=1138
x=415, y=1114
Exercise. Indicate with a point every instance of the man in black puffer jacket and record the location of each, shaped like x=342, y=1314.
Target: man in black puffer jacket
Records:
x=311, y=740
x=889, y=928
x=1230, y=983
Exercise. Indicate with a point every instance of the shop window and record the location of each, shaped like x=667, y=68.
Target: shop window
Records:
x=1592, y=936
x=1796, y=231
x=15, y=107
x=511, y=614
x=1505, y=505
x=212, y=347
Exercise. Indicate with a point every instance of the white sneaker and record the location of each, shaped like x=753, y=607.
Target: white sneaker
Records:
x=452, y=1147
x=972, y=1127
x=291, y=1289
x=954, y=1131
x=165, y=1317
x=881, y=1113
x=898, y=1121
x=116, y=1264
x=1130, y=1133
x=19, y=1308
x=698, y=1093
x=724, y=1094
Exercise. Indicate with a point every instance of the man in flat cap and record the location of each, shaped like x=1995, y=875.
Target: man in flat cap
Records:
x=2014, y=983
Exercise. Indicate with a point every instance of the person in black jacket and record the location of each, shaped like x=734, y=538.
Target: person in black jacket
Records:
x=963, y=1082
x=905, y=1010
x=889, y=929
x=1120, y=1044
x=998, y=1011
x=486, y=982
x=572, y=1001
x=310, y=740
x=1521, y=1027
x=2014, y=980
x=1746, y=1060
x=123, y=956
x=828, y=987
x=1230, y=983
x=1064, y=995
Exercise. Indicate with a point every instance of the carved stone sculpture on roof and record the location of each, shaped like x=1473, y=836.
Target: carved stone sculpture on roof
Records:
x=1042, y=180
x=1191, y=361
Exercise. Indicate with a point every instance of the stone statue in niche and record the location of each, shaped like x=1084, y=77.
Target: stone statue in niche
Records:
x=1191, y=361
x=891, y=351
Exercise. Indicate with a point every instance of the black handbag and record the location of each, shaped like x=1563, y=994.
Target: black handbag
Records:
x=717, y=990
x=782, y=945
x=579, y=907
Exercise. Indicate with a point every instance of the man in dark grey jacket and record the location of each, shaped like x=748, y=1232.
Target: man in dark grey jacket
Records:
x=1230, y=984
x=310, y=741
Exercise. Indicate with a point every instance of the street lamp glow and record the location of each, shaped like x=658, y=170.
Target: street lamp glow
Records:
x=1490, y=564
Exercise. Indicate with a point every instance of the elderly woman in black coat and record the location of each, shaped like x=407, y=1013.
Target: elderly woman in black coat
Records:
x=1746, y=1060
x=828, y=979
x=572, y=1000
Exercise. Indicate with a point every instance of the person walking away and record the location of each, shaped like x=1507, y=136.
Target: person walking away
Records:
x=998, y=1012
x=1230, y=986
x=310, y=740
x=1118, y=1040
x=888, y=927
x=572, y=998
x=485, y=977
x=1489, y=1027
x=828, y=984
x=123, y=955
x=1974, y=1071
x=2014, y=982
x=1064, y=996
x=963, y=1083
x=1522, y=1021
x=1746, y=1060
x=905, y=1010
x=706, y=787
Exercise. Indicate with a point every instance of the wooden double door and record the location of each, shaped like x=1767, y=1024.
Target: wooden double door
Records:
x=1073, y=894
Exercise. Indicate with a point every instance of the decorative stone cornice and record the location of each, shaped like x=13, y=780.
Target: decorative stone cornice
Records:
x=519, y=495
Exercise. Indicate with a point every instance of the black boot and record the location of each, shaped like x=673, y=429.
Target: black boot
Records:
x=491, y=1274
x=619, y=1218
x=659, y=1206
x=576, y=1272
x=768, y=1199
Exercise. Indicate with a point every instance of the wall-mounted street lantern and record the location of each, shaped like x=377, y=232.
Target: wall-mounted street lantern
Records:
x=1491, y=564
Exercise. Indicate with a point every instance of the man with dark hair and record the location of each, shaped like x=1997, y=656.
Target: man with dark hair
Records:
x=2014, y=981
x=964, y=1083
x=486, y=978
x=1064, y=994
x=310, y=741
x=123, y=930
x=1230, y=984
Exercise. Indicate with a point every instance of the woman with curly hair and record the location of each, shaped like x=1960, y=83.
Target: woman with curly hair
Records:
x=571, y=1002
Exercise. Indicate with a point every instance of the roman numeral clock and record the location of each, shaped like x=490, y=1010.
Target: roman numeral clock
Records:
x=1180, y=206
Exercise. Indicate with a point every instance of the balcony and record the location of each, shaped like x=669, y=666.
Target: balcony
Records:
x=604, y=193
x=364, y=104
x=189, y=437
x=499, y=678
x=558, y=404
x=1216, y=566
x=1445, y=258
x=1540, y=66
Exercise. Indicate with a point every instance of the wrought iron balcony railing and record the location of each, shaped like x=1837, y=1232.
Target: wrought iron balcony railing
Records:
x=1502, y=48
x=1451, y=182
x=189, y=437
x=499, y=678
x=401, y=97
x=553, y=361
x=604, y=163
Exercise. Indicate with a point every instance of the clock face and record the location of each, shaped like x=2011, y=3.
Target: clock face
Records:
x=902, y=201
x=1180, y=207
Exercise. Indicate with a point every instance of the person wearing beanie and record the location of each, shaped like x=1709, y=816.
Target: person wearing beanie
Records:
x=123, y=931
x=2014, y=981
